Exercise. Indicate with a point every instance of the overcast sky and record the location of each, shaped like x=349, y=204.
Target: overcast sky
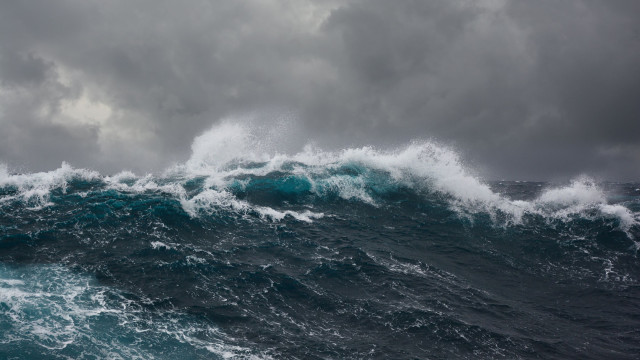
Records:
x=523, y=89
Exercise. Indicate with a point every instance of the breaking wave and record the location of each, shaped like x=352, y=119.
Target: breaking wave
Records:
x=231, y=164
x=246, y=251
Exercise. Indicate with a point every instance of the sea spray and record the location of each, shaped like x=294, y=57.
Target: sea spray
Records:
x=228, y=155
x=249, y=251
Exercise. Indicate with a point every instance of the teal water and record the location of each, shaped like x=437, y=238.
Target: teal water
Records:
x=358, y=254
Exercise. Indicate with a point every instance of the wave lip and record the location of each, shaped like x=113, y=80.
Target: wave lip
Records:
x=424, y=166
x=232, y=158
x=211, y=201
x=34, y=189
x=581, y=196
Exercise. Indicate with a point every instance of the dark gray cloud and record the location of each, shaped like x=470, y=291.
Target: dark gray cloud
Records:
x=525, y=89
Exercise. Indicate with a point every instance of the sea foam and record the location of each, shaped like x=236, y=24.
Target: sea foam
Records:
x=231, y=153
x=48, y=308
x=34, y=188
x=424, y=166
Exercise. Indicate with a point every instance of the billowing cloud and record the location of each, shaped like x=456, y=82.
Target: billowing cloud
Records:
x=525, y=89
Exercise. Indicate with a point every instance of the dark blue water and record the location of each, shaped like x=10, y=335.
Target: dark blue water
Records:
x=357, y=254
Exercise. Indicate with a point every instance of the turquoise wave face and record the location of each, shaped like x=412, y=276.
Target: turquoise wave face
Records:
x=339, y=257
x=52, y=312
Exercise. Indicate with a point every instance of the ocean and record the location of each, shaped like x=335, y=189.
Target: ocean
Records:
x=362, y=253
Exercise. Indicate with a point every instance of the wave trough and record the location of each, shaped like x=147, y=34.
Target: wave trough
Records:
x=245, y=251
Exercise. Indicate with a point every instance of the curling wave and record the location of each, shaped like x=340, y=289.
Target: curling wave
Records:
x=231, y=165
x=244, y=251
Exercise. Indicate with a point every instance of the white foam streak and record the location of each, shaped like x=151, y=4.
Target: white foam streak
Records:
x=52, y=307
x=35, y=188
x=145, y=184
x=230, y=152
x=220, y=153
x=215, y=150
x=579, y=198
x=213, y=201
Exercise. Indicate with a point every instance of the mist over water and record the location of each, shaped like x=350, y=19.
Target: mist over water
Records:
x=248, y=251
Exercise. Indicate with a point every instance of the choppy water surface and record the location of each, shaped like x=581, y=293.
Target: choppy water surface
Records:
x=359, y=253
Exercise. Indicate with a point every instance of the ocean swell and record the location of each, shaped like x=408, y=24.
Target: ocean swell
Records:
x=230, y=171
x=245, y=251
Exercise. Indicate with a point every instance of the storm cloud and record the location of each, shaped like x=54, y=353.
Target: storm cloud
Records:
x=524, y=89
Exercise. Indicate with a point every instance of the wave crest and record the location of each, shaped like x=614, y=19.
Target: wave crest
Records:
x=34, y=189
x=231, y=159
